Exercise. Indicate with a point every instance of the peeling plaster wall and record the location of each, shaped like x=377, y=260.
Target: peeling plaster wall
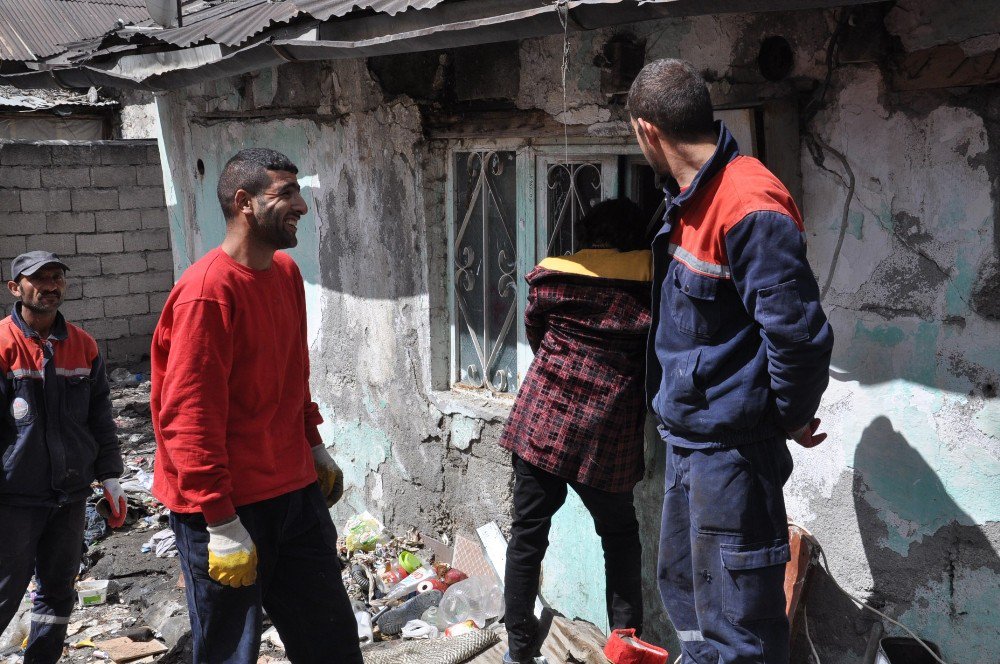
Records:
x=903, y=496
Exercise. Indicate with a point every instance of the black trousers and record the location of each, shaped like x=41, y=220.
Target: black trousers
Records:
x=298, y=583
x=46, y=542
x=537, y=496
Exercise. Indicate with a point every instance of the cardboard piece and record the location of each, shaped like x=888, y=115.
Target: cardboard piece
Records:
x=124, y=649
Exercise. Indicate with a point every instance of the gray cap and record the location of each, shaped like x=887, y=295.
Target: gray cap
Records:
x=27, y=264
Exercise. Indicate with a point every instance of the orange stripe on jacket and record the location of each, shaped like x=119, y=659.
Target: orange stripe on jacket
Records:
x=19, y=353
x=743, y=186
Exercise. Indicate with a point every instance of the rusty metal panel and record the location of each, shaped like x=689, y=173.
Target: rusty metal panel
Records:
x=34, y=29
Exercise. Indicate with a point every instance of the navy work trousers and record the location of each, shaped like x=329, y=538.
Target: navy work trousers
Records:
x=298, y=584
x=723, y=549
x=46, y=542
x=537, y=496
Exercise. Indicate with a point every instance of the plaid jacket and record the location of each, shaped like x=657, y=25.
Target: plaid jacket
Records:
x=581, y=408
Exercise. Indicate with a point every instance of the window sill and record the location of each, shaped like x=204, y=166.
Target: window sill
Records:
x=476, y=405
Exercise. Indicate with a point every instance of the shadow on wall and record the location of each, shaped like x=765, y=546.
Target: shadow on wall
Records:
x=941, y=585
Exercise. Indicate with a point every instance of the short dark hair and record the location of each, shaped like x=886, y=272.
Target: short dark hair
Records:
x=247, y=170
x=673, y=96
x=616, y=222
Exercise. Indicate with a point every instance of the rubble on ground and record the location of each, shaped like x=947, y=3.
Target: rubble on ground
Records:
x=416, y=598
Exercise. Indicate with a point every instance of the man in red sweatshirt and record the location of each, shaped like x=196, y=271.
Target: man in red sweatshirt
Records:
x=240, y=462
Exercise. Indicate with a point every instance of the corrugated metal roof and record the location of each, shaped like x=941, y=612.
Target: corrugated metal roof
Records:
x=324, y=9
x=35, y=29
x=229, y=23
x=233, y=22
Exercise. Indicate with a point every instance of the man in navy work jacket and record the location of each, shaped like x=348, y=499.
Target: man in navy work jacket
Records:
x=57, y=435
x=737, y=360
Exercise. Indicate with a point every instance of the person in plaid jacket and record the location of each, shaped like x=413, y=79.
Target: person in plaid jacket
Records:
x=579, y=415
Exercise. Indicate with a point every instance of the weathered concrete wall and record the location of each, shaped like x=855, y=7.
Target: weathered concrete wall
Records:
x=903, y=496
x=100, y=207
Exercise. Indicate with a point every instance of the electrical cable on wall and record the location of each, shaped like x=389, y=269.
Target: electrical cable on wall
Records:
x=820, y=553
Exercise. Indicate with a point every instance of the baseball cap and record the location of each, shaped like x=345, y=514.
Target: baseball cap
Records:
x=27, y=264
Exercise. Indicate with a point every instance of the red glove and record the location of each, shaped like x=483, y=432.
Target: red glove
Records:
x=115, y=496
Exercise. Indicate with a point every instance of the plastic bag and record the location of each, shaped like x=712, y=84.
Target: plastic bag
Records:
x=478, y=598
x=363, y=532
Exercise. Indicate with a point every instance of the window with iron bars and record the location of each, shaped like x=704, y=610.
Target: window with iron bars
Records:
x=510, y=204
x=509, y=207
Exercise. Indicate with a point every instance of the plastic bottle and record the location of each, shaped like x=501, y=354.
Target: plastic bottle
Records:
x=433, y=616
x=477, y=598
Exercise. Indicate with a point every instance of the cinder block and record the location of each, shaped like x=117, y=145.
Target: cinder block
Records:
x=88, y=200
x=130, y=198
x=62, y=244
x=74, y=290
x=149, y=175
x=151, y=240
x=85, y=309
x=10, y=200
x=143, y=325
x=75, y=155
x=24, y=154
x=157, y=302
x=107, y=328
x=151, y=282
x=105, y=286
x=155, y=218
x=102, y=347
x=123, y=263
x=112, y=176
x=45, y=200
x=68, y=178
x=20, y=178
x=99, y=243
x=129, y=350
x=23, y=223
x=119, y=220
x=152, y=154
x=84, y=266
x=126, y=305
x=119, y=153
x=160, y=260
x=10, y=246
x=70, y=222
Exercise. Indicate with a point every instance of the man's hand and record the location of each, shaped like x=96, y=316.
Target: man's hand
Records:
x=331, y=478
x=115, y=495
x=807, y=436
x=232, y=556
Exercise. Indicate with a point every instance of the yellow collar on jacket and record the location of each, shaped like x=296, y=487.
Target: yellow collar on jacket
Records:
x=605, y=264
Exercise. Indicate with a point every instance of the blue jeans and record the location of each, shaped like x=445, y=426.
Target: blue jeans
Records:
x=298, y=584
x=46, y=542
x=723, y=549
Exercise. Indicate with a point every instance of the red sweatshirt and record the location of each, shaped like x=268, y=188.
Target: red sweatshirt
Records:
x=230, y=400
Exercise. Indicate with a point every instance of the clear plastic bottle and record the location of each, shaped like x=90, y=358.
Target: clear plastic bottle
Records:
x=364, y=623
x=478, y=598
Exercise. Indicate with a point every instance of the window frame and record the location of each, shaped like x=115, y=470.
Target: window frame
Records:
x=531, y=242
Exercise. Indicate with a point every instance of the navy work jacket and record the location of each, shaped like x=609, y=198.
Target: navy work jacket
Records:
x=57, y=432
x=740, y=347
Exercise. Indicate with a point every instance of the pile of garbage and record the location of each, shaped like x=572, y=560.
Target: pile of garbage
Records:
x=416, y=587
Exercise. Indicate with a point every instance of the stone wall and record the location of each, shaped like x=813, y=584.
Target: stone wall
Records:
x=100, y=207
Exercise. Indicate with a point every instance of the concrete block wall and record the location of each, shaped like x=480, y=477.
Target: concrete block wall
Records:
x=100, y=206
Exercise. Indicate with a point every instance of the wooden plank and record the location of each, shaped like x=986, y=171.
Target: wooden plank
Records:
x=797, y=569
x=124, y=649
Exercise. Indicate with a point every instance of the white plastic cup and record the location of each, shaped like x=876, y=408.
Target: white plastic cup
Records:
x=92, y=593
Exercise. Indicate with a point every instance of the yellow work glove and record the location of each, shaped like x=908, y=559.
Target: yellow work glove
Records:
x=331, y=478
x=232, y=556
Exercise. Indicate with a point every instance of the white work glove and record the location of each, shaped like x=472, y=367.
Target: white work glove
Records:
x=115, y=496
x=331, y=478
x=232, y=556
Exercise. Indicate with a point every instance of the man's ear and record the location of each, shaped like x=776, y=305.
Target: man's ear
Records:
x=241, y=201
x=14, y=288
x=650, y=131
